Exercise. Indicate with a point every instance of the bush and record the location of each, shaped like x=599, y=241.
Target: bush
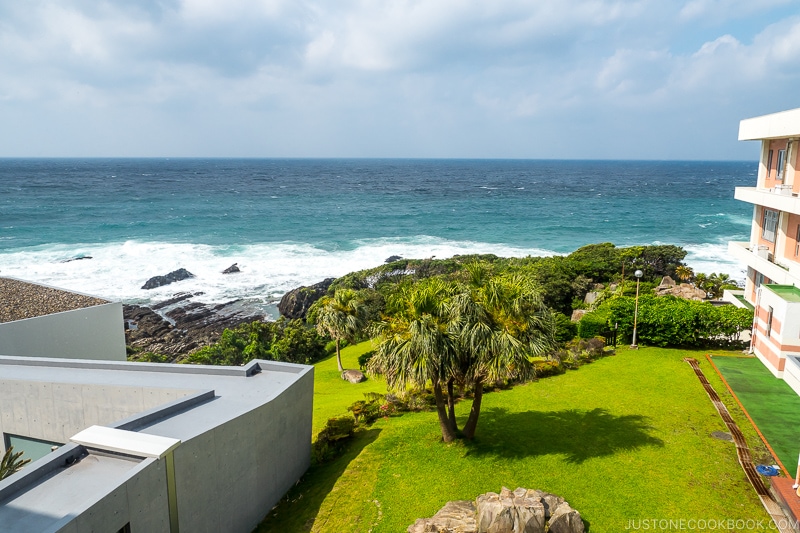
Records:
x=671, y=321
x=593, y=324
x=330, y=441
x=364, y=358
x=543, y=369
x=284, y=340
x=566, y=329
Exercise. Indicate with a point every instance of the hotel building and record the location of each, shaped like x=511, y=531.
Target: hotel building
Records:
x=772, y=254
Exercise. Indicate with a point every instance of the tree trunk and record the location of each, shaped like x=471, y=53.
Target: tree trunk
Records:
x=472, y=421
x=451, y=405
x=448, y=431
x=339, y=357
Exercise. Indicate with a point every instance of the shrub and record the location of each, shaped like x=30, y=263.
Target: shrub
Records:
x=593, y=324
x=566, y=329
x=330, y=441
x=364, y=358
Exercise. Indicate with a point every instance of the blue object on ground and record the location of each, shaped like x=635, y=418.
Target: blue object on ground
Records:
x=766, y=470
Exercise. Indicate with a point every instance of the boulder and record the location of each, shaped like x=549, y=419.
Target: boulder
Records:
x=667, y=281
x=159, y=281
x=510, y=512
x=454, y=517
x=577, y=314
x=520, y=511
x=565, y=519
x=591, y=297
x=393, y=258
x=353, y=376
x=295, y=303
x=232, y=269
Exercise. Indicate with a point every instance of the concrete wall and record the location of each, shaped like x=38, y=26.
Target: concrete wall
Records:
x=57, y=411
x=141, y=501
x=96, y=332
x=228, y=479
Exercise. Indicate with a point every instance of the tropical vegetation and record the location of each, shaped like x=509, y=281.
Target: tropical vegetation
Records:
x=11, y=463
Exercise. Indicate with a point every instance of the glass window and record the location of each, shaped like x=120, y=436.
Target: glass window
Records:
x=769, y=163
x=770, y=225
x=797, y=242
x=769, y=321
x=781, y=164
x=32, y=449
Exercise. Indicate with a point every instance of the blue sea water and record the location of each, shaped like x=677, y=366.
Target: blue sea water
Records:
x=292, y=222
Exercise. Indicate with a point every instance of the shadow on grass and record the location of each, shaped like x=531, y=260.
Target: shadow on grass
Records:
x=298, y=510
x=579, y=435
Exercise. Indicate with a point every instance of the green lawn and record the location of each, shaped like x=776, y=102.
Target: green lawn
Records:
x=626, y=437
x=773, y=405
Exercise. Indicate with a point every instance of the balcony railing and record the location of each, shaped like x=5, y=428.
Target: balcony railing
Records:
x=760, y=258
x=780, y=197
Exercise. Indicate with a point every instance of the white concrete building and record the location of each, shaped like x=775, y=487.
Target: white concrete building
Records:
x=138, y=447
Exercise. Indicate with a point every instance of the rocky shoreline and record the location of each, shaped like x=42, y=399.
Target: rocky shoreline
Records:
x=179, y=326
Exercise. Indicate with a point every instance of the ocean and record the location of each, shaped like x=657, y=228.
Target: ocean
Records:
x=295, y=222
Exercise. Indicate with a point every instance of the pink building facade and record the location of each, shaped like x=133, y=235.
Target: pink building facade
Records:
x=772, y=254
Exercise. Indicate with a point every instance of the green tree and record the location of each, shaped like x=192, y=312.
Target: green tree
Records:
x=11, y=463
x=341, y=316
x=418, y=343
x=684, y=272
x=502, y=322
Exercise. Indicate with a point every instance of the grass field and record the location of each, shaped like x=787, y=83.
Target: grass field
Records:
x=772, y=404
x=624, y=438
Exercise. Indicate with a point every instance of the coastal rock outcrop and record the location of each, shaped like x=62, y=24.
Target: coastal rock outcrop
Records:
x=159, y=281
x=232, y=269
x=393, y=258
x=179, y=326
x=520, y=511
x=295, y=303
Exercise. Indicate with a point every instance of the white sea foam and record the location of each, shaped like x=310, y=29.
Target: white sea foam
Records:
x=118, y=270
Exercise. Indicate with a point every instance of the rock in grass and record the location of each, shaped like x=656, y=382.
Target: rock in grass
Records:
x=353, y=376
x=520, y=511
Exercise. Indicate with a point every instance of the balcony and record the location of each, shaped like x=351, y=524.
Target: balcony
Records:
x=762, y=260
x=780, y=198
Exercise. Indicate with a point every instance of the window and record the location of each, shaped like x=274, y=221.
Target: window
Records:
x=769, y=321
x=770, y=225
x=781, y=164
x=797, y=242
x=759, y=279
x=769, y=163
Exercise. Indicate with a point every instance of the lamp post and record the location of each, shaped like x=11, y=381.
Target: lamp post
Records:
x=638, y=275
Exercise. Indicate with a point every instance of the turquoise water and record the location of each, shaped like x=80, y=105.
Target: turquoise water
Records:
x=291, y=222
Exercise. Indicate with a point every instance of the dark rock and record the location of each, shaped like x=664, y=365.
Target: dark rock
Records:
x=159, y=281
x=296, y=302
x=182, y=326
x=565, y=519
x=393, y=258
x=232, y=269
x=353, y=376
x=71, y=259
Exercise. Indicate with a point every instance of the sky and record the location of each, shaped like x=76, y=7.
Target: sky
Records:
x=540, y=79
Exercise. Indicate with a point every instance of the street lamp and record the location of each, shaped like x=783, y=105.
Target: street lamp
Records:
x=638, y=275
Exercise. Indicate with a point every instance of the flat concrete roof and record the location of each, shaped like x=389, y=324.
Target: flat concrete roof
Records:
x=21, y=299
x=42, y=506
x=40, y=496
x=774, y=126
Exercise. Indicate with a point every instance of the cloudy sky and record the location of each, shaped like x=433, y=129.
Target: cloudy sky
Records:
x=585, y=79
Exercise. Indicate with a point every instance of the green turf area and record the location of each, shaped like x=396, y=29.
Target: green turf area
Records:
x=772, y=404
x=624, y=438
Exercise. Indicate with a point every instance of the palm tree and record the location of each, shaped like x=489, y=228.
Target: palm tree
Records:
x=341, y=316
x=11, y=462
x=417, y=343
x=684, y=272
x=502, y=322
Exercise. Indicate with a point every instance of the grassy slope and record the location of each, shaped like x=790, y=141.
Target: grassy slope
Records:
x=626, y=437
x=771, y=402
